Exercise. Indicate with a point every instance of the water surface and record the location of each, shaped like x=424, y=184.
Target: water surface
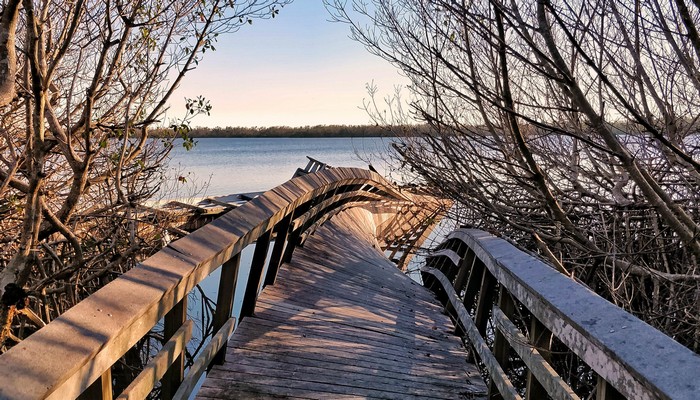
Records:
x=239, y=165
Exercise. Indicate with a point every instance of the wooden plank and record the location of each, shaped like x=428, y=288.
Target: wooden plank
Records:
x=541, y=339
x=282, y=231
x=501, y=346
x=348, y=325
x=465, y=266
x=174, y=374
x=100, y=389
x=398, y=331
x=302, y=363
x=256, y=274
x=321, y=328
x=204, y=359
x=226, y=388
x=224, y=299
x=291, y=360
x=496, y=373
x=142, y=385
x=317, y=377
x=483, y=305
x=319, y=344
x=540, y=368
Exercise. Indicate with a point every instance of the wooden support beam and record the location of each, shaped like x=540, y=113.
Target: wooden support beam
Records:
x=483, y=306
x=501, y=347
x=100, y=389
x=282, y=233
x=174, y=319
x=496, y=373
x=224, y=299
x=256, y=270
x=471, y=290
x=553, y=384
x=605, y=391
x=465, y=266
x=204, y=360
x=142, y=385
x=541, y=339
x=292, y=242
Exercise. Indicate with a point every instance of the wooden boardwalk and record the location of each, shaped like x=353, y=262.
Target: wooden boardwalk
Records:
x=343, y=322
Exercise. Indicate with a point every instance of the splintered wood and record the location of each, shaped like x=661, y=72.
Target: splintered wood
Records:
x=343, y=322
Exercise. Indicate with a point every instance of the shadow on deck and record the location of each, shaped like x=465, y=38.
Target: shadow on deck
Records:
x=343, y=322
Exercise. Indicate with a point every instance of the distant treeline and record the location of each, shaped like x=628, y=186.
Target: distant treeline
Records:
x=286, y=131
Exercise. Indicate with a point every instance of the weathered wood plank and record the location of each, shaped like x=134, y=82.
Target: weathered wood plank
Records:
x=346, y=325
x=400, y=374
x=431, y=373
x=204, y=359
x=156, y=368
x=545, y=374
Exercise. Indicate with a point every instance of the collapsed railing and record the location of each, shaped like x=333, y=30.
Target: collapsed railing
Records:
x=73, y=355
x=481, y=278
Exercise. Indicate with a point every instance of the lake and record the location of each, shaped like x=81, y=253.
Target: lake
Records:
x=239, y=165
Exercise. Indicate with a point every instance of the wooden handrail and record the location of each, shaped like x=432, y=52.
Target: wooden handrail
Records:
x=74, y=351
x=632, y=359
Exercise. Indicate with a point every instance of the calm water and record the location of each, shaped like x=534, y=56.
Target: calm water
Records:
x=233, y=165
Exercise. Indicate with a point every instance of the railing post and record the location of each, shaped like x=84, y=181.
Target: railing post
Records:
x=501, y=346
x=224, y=300
x=541, y=339
x=473, y=283
x=173, y=377
x=100, y=389
x=256, y=269
x=292, y=241
x=605, y=391
x=464, y=267
x=483, y=306
x=282, y=231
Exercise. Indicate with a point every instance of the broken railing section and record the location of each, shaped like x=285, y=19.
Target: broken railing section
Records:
x=313, y=166
x=522, y=316
x=410, y=227
x=75, y=353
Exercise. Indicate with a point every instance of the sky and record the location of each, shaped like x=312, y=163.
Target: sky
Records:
x=297, y=69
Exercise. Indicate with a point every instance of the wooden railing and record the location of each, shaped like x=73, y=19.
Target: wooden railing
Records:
x=313, y=166
x=513, y=308
x=73, y=355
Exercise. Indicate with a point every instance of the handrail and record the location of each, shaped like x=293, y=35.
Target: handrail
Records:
x=479, y=277
x=75, y=352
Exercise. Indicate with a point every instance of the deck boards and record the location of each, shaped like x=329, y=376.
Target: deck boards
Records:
x=343, y=322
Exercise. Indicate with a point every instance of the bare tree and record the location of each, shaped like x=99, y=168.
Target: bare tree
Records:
x=81, y=85
x=570, y=127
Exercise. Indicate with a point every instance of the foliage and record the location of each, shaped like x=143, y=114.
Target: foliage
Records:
x=568, y=126
x=81, y=85
x=286, y=131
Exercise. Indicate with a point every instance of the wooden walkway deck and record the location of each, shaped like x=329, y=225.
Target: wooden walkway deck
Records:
x=343, y=322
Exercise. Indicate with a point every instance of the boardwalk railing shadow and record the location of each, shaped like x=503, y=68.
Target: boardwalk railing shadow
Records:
x=73, y=355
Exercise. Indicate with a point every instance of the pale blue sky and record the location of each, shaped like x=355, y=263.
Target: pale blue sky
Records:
x=296, y=69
